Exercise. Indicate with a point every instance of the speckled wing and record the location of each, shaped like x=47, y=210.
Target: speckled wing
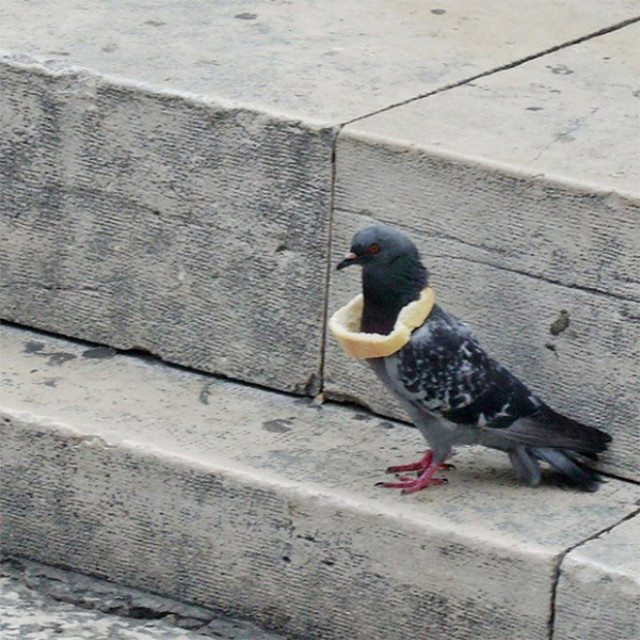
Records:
x=444, y=370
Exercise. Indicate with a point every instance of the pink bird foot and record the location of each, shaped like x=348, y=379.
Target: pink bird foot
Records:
x=421, y=465
x=411, y=485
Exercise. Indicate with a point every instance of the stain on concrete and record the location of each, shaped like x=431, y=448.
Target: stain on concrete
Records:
x=33, y=346
x=560, y=324
x=99, y=353
x=277, y=426
x=54, y=359
x=58, y=359
x=206, y=392
x=312, y=403
x=246, y=16
x=560, y=70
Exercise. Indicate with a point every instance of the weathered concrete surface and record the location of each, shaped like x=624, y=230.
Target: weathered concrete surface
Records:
x=265, y=505
x=166, y=173
x=571, y=115
x=599, y=587
x=509, y=246
x=187, y=229
x=321, y=60
x=38, y=602
x=27, y=615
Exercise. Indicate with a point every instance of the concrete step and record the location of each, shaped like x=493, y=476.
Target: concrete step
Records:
x=179, y=181
x=264, y=505
x=521, y=211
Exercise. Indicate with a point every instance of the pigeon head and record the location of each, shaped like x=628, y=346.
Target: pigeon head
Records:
x=392, y=274
x=378, y=246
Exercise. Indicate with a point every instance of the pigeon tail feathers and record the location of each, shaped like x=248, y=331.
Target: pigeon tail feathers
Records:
x=570, y=468
x=567, y=464
x=548, y=428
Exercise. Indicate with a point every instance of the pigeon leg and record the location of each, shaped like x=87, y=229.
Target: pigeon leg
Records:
x=421, y=465
x=411, y=485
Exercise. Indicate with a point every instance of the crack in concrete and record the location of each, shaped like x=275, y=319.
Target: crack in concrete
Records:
x=505, y=67
x=325, y=309
x=560, y=561
x=563, y=136
x=560, y=283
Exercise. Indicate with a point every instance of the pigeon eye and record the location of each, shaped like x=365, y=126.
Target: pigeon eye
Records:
x=372, y=249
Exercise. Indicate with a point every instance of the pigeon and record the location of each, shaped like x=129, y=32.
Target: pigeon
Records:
x=452, y=390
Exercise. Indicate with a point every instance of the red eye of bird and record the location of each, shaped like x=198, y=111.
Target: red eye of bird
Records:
x=372, y=249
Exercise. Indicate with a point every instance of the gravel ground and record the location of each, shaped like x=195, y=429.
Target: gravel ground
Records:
x=38, y=602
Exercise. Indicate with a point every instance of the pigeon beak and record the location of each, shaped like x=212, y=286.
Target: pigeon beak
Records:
x=349, y=259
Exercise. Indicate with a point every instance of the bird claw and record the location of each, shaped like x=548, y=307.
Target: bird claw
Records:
x=409, y=484
x=422, y=465
x=417, y=487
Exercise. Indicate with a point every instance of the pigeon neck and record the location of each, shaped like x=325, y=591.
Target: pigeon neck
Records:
x=388, y=288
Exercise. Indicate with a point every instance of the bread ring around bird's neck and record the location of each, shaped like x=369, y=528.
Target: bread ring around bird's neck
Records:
x=344, y=324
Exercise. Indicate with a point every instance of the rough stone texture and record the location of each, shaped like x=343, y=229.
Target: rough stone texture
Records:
x=321, y=60
x=509, y=248
x=38, y=602
x=149, y=201
x=265, y=505
x=598, y=592
x=155, y=222
x=25, y=615
x=556, y=117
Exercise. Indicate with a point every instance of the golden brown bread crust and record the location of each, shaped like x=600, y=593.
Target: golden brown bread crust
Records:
x=345, y=326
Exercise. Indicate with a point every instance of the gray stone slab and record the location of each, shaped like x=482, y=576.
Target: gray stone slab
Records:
x=598, y=593
x=166, y=173
x=509, y=244
x=148, y=221
x=39, y=603
x=324, y=60
x=25, y=615
x=571, y=115
x=265, y=505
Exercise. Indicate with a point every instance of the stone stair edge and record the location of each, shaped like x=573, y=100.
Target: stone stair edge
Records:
x=116, y=447
x=564, y=560
x=342, y=131
x=54, y=69
x=78, y=434
x=244, y=475
x=349, y=133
